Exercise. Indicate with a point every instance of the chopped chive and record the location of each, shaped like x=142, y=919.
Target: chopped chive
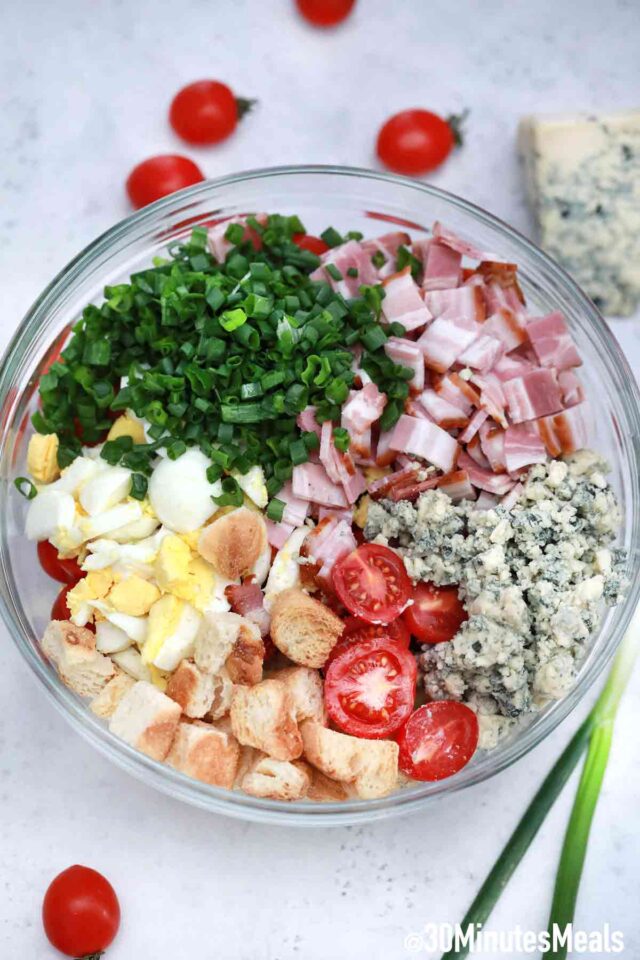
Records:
x=331, y=237
x=378, y=259
x=333, y=271
x=341, y=439
x=275, y=509
x=24, y=486
x=352, y=272
x=298, y=452
x=138, y=486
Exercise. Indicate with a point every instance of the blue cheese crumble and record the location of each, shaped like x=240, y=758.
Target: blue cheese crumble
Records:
x=533, y=580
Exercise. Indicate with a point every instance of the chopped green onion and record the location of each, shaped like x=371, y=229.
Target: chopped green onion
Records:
x=234, y=233
x=298, y=452
x=333, y=271
x=374, y=338
x=352, y=272
x=231, y=495
x=214, y=472
x=378, y=259
x=138, y=486
x=24, y=486
x=233, y=319
x=331, y=237
x=341, y=439
x=275, y=510
x=175, y=449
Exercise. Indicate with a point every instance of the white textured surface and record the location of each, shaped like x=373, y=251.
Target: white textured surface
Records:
x=83, y=93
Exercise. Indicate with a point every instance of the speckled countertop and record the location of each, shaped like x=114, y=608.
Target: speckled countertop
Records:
x=83, y=92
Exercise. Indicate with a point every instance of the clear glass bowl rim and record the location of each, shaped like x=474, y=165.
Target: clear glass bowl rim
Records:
x=236, y=804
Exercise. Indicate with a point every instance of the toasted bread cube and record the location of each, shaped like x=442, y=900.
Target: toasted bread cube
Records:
x=263, y=717
x=104, y=705
x=73, y=651
x=215, y=639
x=249, y=756
x=324, y=789
x=147, y=719
x=276, y=780
x=192, y=689
x=307, y=692
x=303, y=628
x=232, y=544
x=222, y=696
x=244, y=663
x=205, y=753
x=371, y=765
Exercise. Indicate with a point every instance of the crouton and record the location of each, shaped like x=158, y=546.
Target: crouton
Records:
x=192, y=689
x=249, y=756
x=276, y=780
x=105, y=703
x=146, y=719
x=244, y=663
x=205, y=753
x=222, y=696
x=371, y=765
x=215, y=639
x=303, y=628
x=263, y=717
x=233, y=543
x=306, y=689
x=324, y=789
x=73, y=651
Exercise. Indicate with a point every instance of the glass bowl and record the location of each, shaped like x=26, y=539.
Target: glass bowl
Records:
x=347, y=199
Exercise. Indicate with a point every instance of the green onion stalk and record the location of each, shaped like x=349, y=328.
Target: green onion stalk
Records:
x=593, y=735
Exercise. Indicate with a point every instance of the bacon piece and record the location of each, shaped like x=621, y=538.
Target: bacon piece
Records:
x=458, y=391
x=306, y=420
x=219, y=246
x=492, y=396
x=504, y=276
x=510, y=499
x=332, y=513
x=451, y=239
x=278, y=533
x=457, y=485
x=507, y=326
x=498, y=483
x=444, y=413
x=402, y=302
x=486, y=501
x=388, y=245
x=443, y=342
x=247, y=599
x=492, y=443
x=333, y=540
x=424, y=439
x=512, y=365
x=570, y=387
x=348, y=256
x=474, y=449
x=552, y=342
x=413, y=490
x=483, y=353
x=408, y=354
x=522, y=447
x=385, y=454
x=441, y=266
x=296, y=509
x=363, y=408
x=310, y=482
x=340, y=466
x=470, y=431
x=380, y=488
x=532, y=396
x=567, y=431
x=462, y=305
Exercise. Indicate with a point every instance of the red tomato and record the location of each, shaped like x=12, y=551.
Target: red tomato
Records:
x=372, y=583
x=325, y=13
x=436, y=613
x=80, y=912
x=355, y=631
x=159, y=176
x=306, y=242
x=65, y=571
x=206, y=112
x=415, y=141
x=438, y=739
x=370, y=688
x=60, y=610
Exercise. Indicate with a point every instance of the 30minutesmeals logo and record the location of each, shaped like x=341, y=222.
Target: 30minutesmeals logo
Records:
x=437, y=938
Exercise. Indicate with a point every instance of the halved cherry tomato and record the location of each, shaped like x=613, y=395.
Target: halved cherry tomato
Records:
x=306, y=242
x=415, y=141
x=372, y=583
x=64, y=571
x=80, y=912
x=159, y=176
x=325, y=13
x=60, y=610
x=370, y=688
x=438, y=739
x=436, y=613
x=206, y=112
x=356, y=631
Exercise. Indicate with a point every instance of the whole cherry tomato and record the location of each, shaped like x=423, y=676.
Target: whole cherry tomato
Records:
x=325, y=13
x=206, y=112
x=80, y=912
x=64, y=571
x=60, y=610
x=159, y=176
x=414, y=142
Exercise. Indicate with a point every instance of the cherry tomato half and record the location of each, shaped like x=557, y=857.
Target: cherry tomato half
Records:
x=206, y=112
x=370, y=688
x=414, y=142
x=307, y=242
x=80, y=912
x=372, y=583
x=438, y=739
x=159, y=176
x=356, y=631
x=325, y=13
x=60, y=610
x=436, y=613
x=64, y=571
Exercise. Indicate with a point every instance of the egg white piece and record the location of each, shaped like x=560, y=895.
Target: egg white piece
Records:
x=285, y=569
x=262, y=565
x=138, y=530
x=101, y=523
x=253, y=484
x=111, y=639
x=180, y=643
x=125, y=558
x=105, y=490
x=218, y=602
x=79, y=472
x=49, y=511
x=180, y=493
x=131, y=662
x=134, y=627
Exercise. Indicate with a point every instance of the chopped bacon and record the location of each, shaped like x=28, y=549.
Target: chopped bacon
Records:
x=552, y=342
x=441, y=266
x=247, y=599
x=486, y=501
x=457, y=485
x=567, y=431
x=333, y=541
x=363, y=408
x=388, y=245
x=522, y=447
x=507, y=326
x=424, y=439
x=402, y=302
x=503, y=275
x=498, y=483
x=340, y=466
x=512, y=365
x=509, y=500
x=474, y=449
x=332, y=513
x=380, y=488
x=492, y=396
x=278, y=533
x=457, y=391
x=296, y=510
x=310, y=482
x=412, y=490
x=570, y=387
x=451, y=239
x=306, y=420
x=348, y=256
x=471, y=430
x=408, y=354
x=443, y=342
x=444, y=413
x=492, y=443
x=218, y=244
x=532, y=396
x=462, y=305
x=483, y=353
x=385, y=454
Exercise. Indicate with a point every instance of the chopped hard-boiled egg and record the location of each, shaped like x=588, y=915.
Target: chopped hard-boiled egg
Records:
x=42, y=457
x=49, y=511
x=172, y=561
x=262, y=565
x=127, y=426
x=184, y=575
x=125, y=558
x=134, y=627
x=253, y=484
x=138, y=530
x=77, y=474
x=133, y=596
x=95, y=586
x=107, y=488
x=111, y=639
x=285, y=570
x=131, y=662
x=101, y=523
x=173, y=625
x=180, y=493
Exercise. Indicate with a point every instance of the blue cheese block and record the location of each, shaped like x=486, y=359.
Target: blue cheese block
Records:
x=583, y=175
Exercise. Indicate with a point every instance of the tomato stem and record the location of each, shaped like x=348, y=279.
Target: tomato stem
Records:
x=456, y=122
x=244, y=106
